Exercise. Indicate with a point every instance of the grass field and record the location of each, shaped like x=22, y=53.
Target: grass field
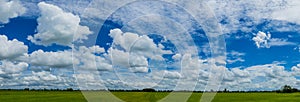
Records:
x=76, y=96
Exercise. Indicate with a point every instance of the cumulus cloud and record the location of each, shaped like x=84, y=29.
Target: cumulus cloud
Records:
x=296, y=70
x=138, y=44
x=83, y=58
x=132, y=51
x=87, y=59
x=60, y=59
x=56, y=26
x=11, y=49
x=259, y=77
x=8, y=67
x=10, y=9
x=89, y=81
x=172, y=74
x=41, y=76
x=10, y=72
x=44, y=79
x=135, y=63
x=261, y=39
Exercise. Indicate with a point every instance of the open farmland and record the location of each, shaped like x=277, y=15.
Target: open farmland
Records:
x=76, y=96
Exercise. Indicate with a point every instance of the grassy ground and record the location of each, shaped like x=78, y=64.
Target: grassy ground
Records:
x=76, y=96
x=41, y=96
x=220, y=97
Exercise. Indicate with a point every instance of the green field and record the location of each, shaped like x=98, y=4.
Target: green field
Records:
x=76, y=96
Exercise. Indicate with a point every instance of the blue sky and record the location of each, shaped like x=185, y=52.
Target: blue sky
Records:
x=60, y=44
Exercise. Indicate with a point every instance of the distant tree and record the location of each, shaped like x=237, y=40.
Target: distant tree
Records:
x=26, y=89
x=225, y=90
x=295, y=90
x=149, y=90
x=287, y=89
x=69, y=89
x=45, y=89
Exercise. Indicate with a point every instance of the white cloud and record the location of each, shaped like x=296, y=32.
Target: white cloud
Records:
x=297, y=48
x=280, y=42
x=289, y=13
x=259, y=77
x=244, y=15
x=85, y=58
x=57, y=26
x=172, y=74
x=8, y=67
x=60, y=59
x=261, y=39
x=135, y=63
x=296, y=70
x=132, y=51
x=176, y=57
x=10, y=9
x=41, y=76
x=134, y=43
x=235, y=60
x=240, y=73
x=139, y=69
x=89, y=81
x=234, y=56
x=11, y=49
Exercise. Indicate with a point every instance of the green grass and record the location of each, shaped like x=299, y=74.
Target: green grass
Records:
x=41, y=96
x=76, y=96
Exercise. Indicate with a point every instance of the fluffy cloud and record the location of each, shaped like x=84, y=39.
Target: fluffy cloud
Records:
x=10, y=9
x=172, y=74
x=296, y=70
x=288, y=13
x=60, y=59
x=11, y=49
x=261, y=39
x=259, y=77
x=57, y=26
x=8, y=67
x=88, y=60
x=135, y=63
x=45, y=79
x=132, y=51
x=41, y=76
x=11, y=70
x=134, y=43
x=83, y=58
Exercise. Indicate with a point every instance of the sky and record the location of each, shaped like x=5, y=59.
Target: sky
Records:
x=166, y=45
